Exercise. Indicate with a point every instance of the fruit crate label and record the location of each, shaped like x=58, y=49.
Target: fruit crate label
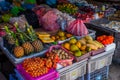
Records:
x=74, y=74
x=101, y=63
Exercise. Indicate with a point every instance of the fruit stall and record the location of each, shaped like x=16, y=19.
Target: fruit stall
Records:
x=58, y=39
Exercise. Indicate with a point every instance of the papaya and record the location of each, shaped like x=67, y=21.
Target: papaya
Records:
x=82, y=41
x=88, y=37
x=94, y=43
x=92, y=46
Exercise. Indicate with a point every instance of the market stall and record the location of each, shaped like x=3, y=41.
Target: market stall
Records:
x=59, y=40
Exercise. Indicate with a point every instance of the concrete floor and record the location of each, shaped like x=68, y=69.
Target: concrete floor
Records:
x=114, y=73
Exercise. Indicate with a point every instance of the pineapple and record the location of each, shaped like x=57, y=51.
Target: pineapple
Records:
x=10, y=36
x=37, y=44
x=18, y=50
x=28, y=47
x=10, y=39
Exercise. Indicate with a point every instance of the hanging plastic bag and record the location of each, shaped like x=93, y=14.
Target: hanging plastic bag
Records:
x=40, y=11
x=49, y=21
x=77, y=28
x=21, y=20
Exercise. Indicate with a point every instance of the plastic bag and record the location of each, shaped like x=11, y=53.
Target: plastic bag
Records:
x=40, y=11
x=31, y=18
x=21, y=20
x=49, y=21
x=77, y=28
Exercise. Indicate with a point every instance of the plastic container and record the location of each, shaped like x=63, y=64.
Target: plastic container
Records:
x=100, y=74
x=51, y=75
x=85, y=56
x=116, y=57
x=97, y=51
x=99, y=61
x=12, y=77
x=80, y=78
x=110, y=46
x=16, y=76
x=15, y=60
x=74, y=71
x=91, y=33
x=65, y=61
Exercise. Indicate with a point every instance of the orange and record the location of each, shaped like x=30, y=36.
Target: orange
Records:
x=67, y=46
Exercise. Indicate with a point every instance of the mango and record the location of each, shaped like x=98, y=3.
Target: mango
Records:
x=92, y=46
x=78, y=53
x=82, y=41
x=83, y=48
x=72, y=41
x=61, y=33
x=78, y=44
x=66, y=45
x=74, y=48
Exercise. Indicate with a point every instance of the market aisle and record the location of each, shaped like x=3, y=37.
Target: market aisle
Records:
x=114, y=73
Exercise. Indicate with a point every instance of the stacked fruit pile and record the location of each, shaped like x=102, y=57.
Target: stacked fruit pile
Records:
x=38, y=66
x=104, y=39
x=61, y=35
x=23, y=43
x=68, y=8
x=82, y=46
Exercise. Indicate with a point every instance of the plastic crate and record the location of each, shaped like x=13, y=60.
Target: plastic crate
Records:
x=16, y=76
x=80, y=78
x=51, y=75
x=116, y=57
x=100, y=74
x=12, y=77
x=100, y=30
x=74, y=71
x=95, y=52
x=99, y=61
x=85, y=56
x=91, y=33
x=15, y=60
